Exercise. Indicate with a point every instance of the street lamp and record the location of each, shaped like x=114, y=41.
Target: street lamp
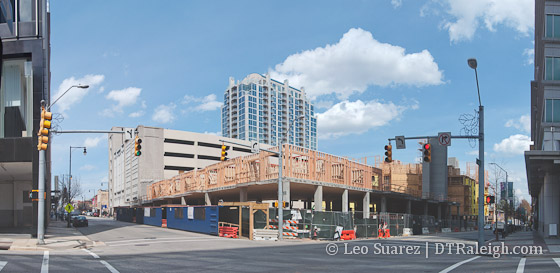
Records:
x=70, y=177
x=481, y=181
x=41, y=179
x=77, y=86
x=280, y=186
x=495, y=202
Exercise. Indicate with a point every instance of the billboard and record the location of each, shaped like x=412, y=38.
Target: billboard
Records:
x=510, y=189
x=503, y=190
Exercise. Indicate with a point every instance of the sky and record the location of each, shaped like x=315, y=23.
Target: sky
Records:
x=373, y=69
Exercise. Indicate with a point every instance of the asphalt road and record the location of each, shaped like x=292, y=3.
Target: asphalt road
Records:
x=125, y=247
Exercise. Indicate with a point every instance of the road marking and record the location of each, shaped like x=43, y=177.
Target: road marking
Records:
x=557, y=260
x=521, y=266
x=111, y=268
x=2, y=264
x=91, y=253
x=458, y=264
x=159, y=242
x=45, y=265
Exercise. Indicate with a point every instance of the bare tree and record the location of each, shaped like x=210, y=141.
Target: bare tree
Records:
x=75, y=189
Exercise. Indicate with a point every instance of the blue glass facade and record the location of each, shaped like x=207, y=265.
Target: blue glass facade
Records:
x=268, y=111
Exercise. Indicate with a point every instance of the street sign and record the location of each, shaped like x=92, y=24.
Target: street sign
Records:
x=255, y=147
x=129, y=133
x=400, y=142
x=69, y=208
x=444, y=139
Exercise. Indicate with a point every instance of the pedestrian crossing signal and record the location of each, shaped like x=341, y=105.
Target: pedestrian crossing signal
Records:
x=490, y=199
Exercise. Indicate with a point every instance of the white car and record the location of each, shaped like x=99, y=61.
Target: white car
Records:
x=487, y=226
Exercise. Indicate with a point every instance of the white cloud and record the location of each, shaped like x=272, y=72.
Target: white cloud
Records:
x=136, y=114
x=396, y=3
x=88, y=167
x=323, y=104
x=468, y=15
x=523, y=123
x=354, y=63
x=124, y=97
x=92, y=142
x=530, y=53
x=356, y=117
x=513, y=145
x=518, y=192
x=207, y=103
x=75, y=95
x=164, y=113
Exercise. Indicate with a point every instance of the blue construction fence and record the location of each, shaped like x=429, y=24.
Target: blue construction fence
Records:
x=203, y=219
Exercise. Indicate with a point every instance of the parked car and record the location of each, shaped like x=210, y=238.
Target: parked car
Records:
x=79, y=221
x=90, y=213
x=487, y=227
x=96, y=214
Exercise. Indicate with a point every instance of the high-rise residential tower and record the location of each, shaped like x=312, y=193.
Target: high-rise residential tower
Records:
x=268, y=111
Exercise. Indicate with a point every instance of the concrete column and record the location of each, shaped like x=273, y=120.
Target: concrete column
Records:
x=426, y=209
x=439, y=211
x=243, y=194
x=183, y=201
x=286, y=190
x=207, y=199
x=383, y=204
x=318, y=198
x=409, y=207
x=365, y=205
x=541, y=211
x=345, y=201
x=551, y=203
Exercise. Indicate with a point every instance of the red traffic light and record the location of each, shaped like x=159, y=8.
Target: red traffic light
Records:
x=427, y=146
x=488, y=199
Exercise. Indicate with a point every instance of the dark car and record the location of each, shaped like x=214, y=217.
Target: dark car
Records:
x=79, y=221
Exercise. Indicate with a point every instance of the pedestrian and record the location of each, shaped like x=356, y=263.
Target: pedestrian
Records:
x=314, y=236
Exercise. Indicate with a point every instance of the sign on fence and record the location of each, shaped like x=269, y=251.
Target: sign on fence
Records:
x=425, y=230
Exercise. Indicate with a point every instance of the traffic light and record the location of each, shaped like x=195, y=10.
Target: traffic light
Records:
x=490, y=199
x=285, y=204
x=137, y=146
x=427, y=152
x=44, y=126
x=224, y=153
x=388, y=153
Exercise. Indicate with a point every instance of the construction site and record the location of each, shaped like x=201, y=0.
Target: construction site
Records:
x=323, y=192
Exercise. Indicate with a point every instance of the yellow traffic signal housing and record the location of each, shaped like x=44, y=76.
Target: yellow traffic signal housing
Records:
x=284, y=203
x=427, y=152
x=137, y=146
x=43, y=133
x=388, y=153
x=223, y=156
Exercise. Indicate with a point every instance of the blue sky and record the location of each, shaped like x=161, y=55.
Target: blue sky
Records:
x=375, y=69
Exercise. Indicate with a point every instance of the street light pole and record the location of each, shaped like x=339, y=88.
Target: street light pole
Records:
x=481, y=177
x=495, y=203
x=70, y=180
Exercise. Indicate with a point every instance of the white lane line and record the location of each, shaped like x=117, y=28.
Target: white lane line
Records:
x=557, y=260
x=111, y=268
x=2, y=264
x=159, y=242
x=45, y=265
x=91, y=253
x=458, y=264
x=153, y=239
x=521, y=266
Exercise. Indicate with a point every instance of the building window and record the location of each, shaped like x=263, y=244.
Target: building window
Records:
x=178, y=213
x=552, y=28
x=552, y=69
x=552, y=110
x=16, y=98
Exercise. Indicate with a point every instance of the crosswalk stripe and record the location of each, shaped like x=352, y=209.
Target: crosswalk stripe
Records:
x=91, y=253
x=111, y=268
x=2, y=264
x=459, y=264
x=557, y=260
x=45, y=264
x=521, y=266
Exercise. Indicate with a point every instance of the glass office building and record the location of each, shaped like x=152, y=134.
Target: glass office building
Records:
x=262, y=109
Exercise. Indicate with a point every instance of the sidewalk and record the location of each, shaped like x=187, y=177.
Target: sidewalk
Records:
x=57, y=236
